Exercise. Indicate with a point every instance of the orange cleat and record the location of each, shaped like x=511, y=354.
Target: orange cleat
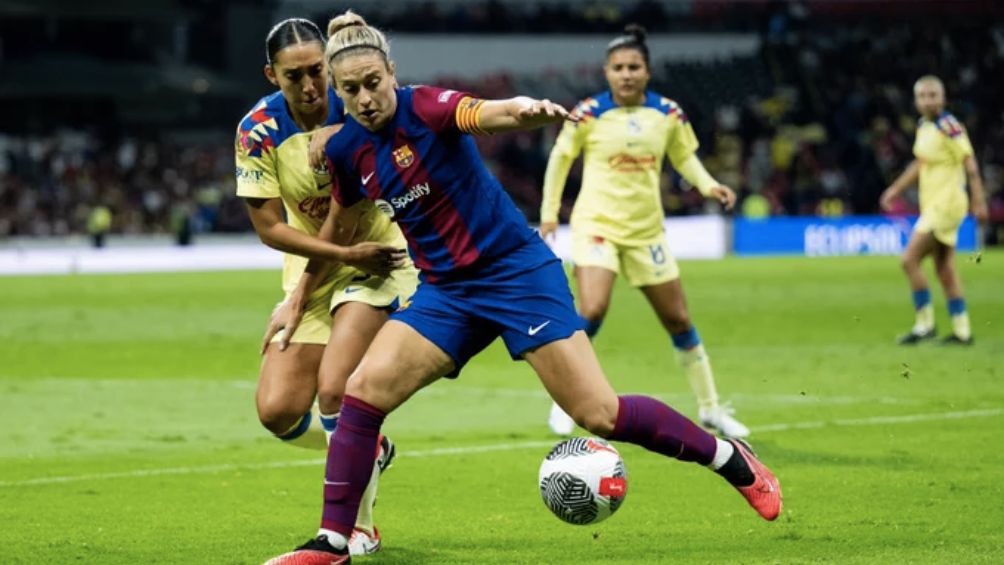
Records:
x=764, y=495
x=315, y=552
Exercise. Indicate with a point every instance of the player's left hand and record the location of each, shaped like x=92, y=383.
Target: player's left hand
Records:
x=539, y=112
x=724, y=195
x=285, y=316
x=315, y=153
x=375, y=258
x=980, y=212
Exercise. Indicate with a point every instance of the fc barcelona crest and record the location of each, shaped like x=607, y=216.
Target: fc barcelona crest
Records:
x=403, y=156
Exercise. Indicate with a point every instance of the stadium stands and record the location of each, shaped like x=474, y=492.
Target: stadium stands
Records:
x=818, y=121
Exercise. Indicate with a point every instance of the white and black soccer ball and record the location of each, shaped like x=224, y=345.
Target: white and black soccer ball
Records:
x=583, y=480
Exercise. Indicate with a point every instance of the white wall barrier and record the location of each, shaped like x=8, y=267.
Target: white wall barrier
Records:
x=692, y=237
x=139, y=256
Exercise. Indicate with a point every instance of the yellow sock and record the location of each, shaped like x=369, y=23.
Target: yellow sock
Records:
x=960, y=325
x=698, y=370
x=307, y=434
x=364, y=520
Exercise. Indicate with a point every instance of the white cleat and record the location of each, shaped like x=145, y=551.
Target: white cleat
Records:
x=721, y=420
x=362, y=542
x=560, y=423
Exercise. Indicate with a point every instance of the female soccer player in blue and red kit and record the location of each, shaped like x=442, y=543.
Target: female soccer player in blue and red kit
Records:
x=485, y=273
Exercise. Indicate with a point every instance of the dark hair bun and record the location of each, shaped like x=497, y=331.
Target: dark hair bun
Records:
x=636, y=31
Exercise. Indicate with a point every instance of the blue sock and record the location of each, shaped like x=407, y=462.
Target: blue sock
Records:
x=329, y=424
x=592, y=327
x=921, y=298
x=300, y=429
x=956, y=306
x=686, y=340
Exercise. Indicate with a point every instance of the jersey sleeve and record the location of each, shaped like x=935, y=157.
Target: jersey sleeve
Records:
x=681, y=148
x=957, y=141
x=567, y=148
x=346, y=189
x=681, y=142
x=255, y=165
x=443, y=109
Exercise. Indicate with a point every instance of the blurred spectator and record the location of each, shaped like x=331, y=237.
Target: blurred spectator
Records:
x=99, y=221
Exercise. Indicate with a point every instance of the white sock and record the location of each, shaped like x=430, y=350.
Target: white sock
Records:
x=960, y=325
x=723, y=452
x=336, y=539
x=364, y=519
x=925, y=320
x=697, y=367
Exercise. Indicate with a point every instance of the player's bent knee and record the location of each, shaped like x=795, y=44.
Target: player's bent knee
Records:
x=329, y=399
x=279, y=417
x=599, y=419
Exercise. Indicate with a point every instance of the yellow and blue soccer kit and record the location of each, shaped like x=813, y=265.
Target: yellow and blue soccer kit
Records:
x=617, y=221
x=941, y=148
x=271, y=158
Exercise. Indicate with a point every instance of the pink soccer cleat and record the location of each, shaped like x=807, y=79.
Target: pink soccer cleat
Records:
x=315, y=552
x=764, y=495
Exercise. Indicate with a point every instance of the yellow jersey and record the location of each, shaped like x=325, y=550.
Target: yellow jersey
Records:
x=941, y=148
x=624, y=150
x=271, y=158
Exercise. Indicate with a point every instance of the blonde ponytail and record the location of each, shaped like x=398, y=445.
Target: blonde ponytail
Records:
x=349, y=32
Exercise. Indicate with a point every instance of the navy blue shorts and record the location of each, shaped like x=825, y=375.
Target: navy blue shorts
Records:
x=528, y=308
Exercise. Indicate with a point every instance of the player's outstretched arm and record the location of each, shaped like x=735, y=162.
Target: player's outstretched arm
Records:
x=519, y=113
x=905, y=180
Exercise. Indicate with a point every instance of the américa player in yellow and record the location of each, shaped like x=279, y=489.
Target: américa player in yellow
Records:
x=315, y=338
x=617, y=221
x=943, y=161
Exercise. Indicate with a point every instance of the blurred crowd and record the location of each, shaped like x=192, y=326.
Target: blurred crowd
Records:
x=493, y=16
x=74, y=182
x=819, y=122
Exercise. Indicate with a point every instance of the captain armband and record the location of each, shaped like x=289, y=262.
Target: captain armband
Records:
x=469, y=115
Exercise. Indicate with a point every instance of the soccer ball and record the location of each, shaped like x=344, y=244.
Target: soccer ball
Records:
x=583, y=480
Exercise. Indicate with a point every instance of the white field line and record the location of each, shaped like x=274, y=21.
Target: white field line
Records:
x=743, y=398
x=473, y=449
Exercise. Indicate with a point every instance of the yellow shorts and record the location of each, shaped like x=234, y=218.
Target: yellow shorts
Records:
x=944, y=227
x=350, y=286
x=642, y=265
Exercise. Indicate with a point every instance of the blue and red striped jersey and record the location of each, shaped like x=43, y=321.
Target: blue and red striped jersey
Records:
x=428, y=176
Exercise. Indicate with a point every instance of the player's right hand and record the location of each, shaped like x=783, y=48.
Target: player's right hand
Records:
x=285, y=316
x=549, y=231
x=980, y=211
x=318, y=141
x=542, y=112
x=888, y=199
x=374, y=258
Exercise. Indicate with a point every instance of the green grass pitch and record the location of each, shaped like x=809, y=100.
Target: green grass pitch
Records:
x=128, y=433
